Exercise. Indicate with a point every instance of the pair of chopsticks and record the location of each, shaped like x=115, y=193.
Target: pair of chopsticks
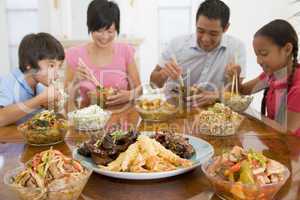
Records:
x=93, y=78
x=235, y=78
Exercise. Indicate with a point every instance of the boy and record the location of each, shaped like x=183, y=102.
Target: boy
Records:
x=27, y=89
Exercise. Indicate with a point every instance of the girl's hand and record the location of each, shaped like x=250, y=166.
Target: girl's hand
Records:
x=232, y=69
x=122, y=96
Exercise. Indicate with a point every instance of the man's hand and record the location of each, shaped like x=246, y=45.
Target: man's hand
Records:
x=203, y=99
x=171, y=70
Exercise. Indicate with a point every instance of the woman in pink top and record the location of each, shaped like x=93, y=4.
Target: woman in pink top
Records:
x=276, y=48
x=112, y=64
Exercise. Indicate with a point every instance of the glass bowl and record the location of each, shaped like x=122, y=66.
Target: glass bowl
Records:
x=92, y=122
x=238, y=191
x=237, y=103
x=66, y=189
x=46, y=136
x=159, y=109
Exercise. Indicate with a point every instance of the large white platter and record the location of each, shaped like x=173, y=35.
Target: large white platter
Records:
x=204, y=151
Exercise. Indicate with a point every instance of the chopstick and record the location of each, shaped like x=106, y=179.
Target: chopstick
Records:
x=93, y=78
x=232, y=85
x=237, y=84
x=180, y=79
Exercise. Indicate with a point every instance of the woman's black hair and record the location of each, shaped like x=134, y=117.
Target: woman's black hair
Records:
x=214, y=9
x=103, y=14
x=36, y=47
x=281, y=32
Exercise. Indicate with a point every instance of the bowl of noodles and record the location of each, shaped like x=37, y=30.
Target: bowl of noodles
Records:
x=44, y=128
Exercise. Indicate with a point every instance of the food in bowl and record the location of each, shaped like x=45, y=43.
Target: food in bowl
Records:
x=49, y=175
x=244, y=175
x=155, y=109
x=44, y=128
x=103, y=149
x=218, y=120
x=237, y=102
x=91, y=118
x=99, y=96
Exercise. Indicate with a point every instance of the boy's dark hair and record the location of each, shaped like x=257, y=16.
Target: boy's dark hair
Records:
x=103, y=14
x=281, y=32
x=36, y=47
x=214, y=9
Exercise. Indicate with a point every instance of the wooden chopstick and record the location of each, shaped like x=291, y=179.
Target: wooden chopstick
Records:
x=180, y=78
x=232, y=85
x=237, y=84
x=94, y=80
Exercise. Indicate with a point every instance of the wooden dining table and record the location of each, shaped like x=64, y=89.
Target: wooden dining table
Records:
x=258, y=133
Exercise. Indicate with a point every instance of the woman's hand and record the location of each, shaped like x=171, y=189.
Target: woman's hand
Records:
x=85, y=73
x=122, y=96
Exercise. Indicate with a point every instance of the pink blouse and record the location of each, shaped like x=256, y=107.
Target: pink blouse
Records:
x=109, y=75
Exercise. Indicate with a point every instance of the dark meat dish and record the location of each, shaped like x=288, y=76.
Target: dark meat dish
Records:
x=176, y=143
x=106, y=148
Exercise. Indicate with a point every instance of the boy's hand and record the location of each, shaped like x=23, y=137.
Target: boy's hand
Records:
x=49, y=97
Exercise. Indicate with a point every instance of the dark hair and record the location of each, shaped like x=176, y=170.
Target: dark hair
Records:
x=103, y=14
x=36, y=47
x=281, y=32
x=214, y=9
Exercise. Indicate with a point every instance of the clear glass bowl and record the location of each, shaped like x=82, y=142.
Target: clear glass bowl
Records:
x=238, y=191
x=66, y=190
x=44, y=137
x=90, y=123
x=155, y=115
x=238, y=103
x=160, y=112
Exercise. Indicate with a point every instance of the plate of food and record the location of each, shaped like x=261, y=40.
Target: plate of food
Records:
x=155, y=108
x=245, y=174
x=143, y=156
x=218, y=120
x=48, y=175
x=44, y=128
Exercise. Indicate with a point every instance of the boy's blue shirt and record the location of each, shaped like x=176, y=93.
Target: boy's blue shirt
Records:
x=15, y=89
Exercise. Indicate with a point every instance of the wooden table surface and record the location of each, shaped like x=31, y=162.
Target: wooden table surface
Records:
x=193, y=185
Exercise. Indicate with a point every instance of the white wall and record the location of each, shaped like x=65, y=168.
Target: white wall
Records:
x=4, y=57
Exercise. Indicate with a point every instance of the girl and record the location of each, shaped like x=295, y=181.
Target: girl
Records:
x=111, y=63
x=276, y=48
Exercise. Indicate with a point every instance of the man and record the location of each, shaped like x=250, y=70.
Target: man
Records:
x=202, y=58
